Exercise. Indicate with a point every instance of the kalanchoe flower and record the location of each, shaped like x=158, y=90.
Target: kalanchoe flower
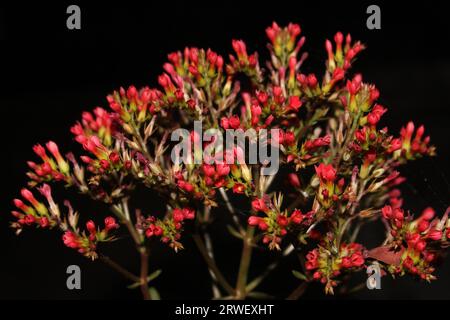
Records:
x=53, y=166
x=327, y=265
x=275, y=224
x=417, y=146
x=417, y=242
x=339, y=166
x=168, y=229
x=49, y=216
x=87, y=244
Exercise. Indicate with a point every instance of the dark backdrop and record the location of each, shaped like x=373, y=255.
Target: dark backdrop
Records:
x=50, y=74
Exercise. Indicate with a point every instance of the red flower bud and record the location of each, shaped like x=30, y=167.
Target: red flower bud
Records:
x=434, y=235
x=259, y=205
x=110, y=223
x=239, y=188
x=114, y=157
x=428, y=214
x=326, y=172
x=90, y=225
x=423, y=225
x=70, y=239
x=289, y=138
x=282, y=221
x=294, y=180
x=386, y=212
x=178, y=215
x=420, y=245
x=295, y=103
x=253, y=220
x=234, y=122
x=262, y=225
x=208, y=170
x=296, y=216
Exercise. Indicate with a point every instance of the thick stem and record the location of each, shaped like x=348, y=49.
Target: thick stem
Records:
x=144, y=274
x=246, y=255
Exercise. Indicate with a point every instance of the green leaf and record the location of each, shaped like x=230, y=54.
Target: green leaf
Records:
x=234, y=232
x=154, y=294
x=154, y=275
x=299, y=275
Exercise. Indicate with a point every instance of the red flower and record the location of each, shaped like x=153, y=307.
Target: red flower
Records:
x=326, y=172
x=234, y=122
x=253, y=220
x=357, y=259
x=178, y=215
x=294, y=103
x=110, y=223
x=239, y=188
x=259, y=205
x=386, y=212
x=289, y=138
x=294, y=180
x=71, y=240
x=434, y=235
x=312, y=258
x=225, y=123
x=282, y=221
x=208, y=170
x=428, y=214
x=423, y=225
x=90, y=225
x=296, y=216
x=346, y=262
x=189, y=213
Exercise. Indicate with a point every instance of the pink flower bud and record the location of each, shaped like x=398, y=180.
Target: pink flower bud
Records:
x=234, y=122
x=225, y=123
x=110, y=223
x=428, y=214
x=253, y=220
x=90, y=225
x=435, y=235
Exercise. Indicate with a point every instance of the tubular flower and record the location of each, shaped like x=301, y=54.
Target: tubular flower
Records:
x=326, y=265
x=53, y=166
x=336, y=168
x=33, y=212
x=168, y=229
x=415, y=243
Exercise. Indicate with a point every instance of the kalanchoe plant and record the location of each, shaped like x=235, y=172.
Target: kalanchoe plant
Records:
x=342, y=168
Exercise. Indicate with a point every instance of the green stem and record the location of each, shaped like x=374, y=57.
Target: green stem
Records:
x=298, y=292
x=122, y=212
x=246, y=255
x=114, y=265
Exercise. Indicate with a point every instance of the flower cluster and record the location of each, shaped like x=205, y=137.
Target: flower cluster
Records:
x=169, y=228
x=53, y=167
x=327, y=265
x=415, y=243
x=48, y=216
x=275, y=224
x=339, y=168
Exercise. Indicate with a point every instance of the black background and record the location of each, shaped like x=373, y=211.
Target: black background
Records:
x=50, y=74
